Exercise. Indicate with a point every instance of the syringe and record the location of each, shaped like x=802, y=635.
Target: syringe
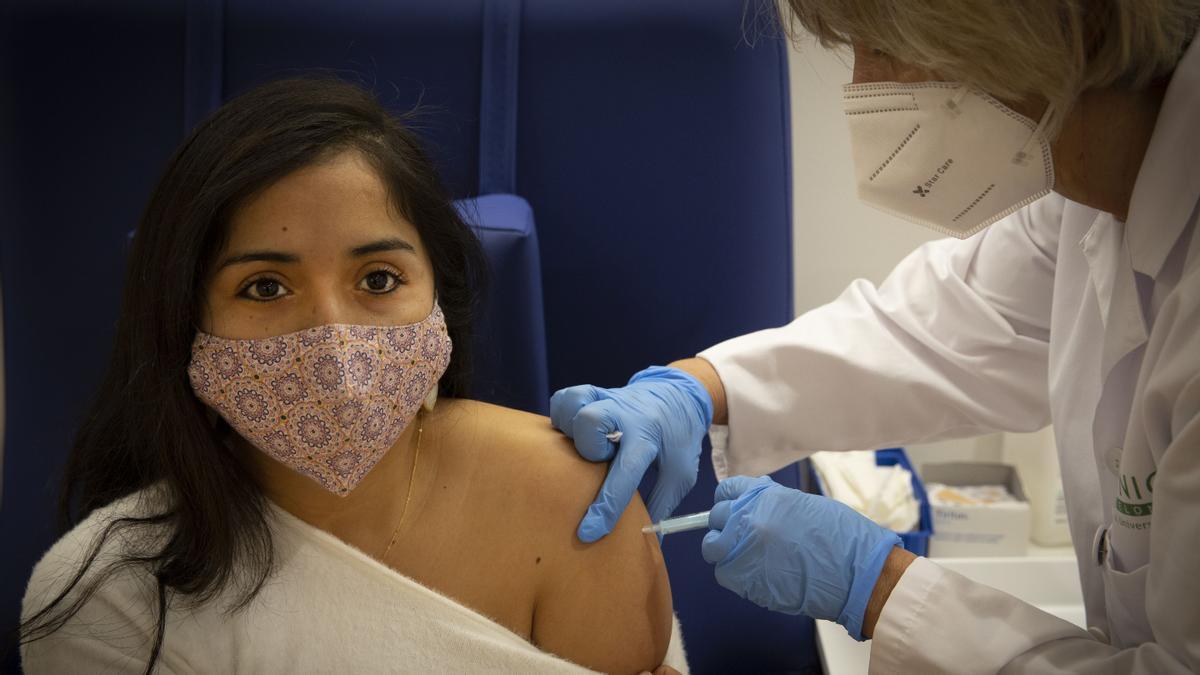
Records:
x=695, y=521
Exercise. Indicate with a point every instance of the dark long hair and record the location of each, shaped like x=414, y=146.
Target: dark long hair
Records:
x=145, y=426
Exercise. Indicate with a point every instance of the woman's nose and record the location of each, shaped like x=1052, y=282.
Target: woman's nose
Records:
x=326, y=307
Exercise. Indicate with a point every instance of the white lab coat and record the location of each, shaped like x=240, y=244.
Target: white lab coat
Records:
x=1058, y=313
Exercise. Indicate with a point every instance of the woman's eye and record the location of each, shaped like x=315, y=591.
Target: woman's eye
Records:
x=264, y=289
x=380, y=282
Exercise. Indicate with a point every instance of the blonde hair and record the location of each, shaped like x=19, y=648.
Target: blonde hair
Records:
x=1016, y=49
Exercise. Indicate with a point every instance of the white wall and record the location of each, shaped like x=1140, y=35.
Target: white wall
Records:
x=838, y=239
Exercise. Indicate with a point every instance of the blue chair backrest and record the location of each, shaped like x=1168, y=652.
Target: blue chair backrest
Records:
x=651, y=143
x=510, y=343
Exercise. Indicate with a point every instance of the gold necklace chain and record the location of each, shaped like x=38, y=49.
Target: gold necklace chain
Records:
x=408, y=493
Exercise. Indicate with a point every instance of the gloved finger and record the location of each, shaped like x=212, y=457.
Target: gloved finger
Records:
x=565, y=404
x=717, y=544
x=731, y=577
x=619, y=485
x=719, y=515
x=663, y=499
x=670, y=489
x=591, y=427
x=736, y=486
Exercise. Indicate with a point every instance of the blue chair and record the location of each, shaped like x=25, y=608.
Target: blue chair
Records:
x=510, y=345
x=648, y=138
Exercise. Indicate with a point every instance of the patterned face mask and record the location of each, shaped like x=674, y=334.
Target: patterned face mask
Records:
x=328, y=402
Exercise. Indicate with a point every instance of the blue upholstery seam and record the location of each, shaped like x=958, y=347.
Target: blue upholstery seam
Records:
x=498, y=96
x=203, y=60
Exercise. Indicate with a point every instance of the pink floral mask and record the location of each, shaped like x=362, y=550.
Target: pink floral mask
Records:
x=329, y=401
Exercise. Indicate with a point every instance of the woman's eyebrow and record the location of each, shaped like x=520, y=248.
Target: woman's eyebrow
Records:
x=257, y=256
x=393, y=244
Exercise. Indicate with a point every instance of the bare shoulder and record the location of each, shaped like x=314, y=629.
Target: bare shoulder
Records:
x=605, y=605
x=534, y=468
x=526, y=445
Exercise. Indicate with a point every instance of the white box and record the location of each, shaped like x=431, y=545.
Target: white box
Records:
x=978, y=530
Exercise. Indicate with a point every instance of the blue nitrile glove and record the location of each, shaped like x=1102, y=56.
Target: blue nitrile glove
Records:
x=662, y=414
x=794, y=552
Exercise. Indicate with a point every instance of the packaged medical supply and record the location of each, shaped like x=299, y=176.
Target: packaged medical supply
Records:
x=882, y=493
x=972, y=495
x=978, y=510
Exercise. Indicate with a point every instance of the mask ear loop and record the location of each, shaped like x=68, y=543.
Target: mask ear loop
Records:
x=1024, y=155
x=953, y=105
x=432, y=397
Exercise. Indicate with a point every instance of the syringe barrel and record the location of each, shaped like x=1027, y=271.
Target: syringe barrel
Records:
x=694, y=521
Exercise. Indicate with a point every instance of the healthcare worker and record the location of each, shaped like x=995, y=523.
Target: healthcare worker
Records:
x=1059, y=141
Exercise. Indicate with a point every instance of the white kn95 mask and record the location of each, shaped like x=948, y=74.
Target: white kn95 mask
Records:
x=943, y=155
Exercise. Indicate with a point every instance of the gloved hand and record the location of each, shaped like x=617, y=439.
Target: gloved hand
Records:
x=794, y=552
x=662, y=414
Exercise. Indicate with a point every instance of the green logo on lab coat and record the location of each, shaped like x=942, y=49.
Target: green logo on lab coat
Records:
x=1132, y=488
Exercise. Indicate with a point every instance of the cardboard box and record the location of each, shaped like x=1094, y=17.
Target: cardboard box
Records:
x=963, y=530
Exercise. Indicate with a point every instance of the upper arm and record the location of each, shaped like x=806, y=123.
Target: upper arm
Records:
x=1012, y=269
x=607, y=605
x=1171, y=582
x=954, y=343
x=1170, y=415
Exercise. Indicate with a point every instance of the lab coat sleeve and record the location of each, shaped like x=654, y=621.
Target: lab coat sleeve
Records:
x=954, y=343
x=938, y=621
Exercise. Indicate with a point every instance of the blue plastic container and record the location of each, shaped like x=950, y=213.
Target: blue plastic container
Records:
x=916, y=541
